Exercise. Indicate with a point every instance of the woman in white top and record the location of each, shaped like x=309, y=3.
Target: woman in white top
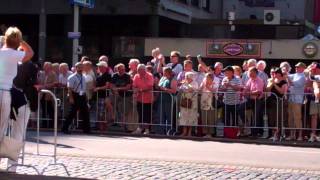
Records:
x=188, y=109
x=208, y=89
x=14, y=50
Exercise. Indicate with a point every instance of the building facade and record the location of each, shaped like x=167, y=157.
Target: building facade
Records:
x=113, y=24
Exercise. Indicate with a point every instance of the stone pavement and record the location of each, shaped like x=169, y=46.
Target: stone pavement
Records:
x=117, y=168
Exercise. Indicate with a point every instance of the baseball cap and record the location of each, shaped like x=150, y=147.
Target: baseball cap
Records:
x=228, y=68
x=301, y=64
x=102, y=63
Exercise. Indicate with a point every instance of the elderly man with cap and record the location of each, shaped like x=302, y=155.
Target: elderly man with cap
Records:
x=77, y=99
x=106, y=59
x=314, y=106
x=297, y=82
x=102, y=84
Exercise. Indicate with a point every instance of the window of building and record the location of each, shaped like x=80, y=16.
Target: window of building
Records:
x=183, y=1
x=195, y=3
x=206, y=5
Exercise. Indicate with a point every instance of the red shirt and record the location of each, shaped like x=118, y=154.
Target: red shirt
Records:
x=144, y=83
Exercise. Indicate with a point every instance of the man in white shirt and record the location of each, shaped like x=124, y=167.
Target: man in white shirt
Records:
x=64, y=74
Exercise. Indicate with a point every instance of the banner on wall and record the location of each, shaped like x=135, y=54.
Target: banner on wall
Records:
x=233, y=49
x=128, y=46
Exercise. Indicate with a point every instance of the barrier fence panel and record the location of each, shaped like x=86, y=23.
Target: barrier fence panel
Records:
x=227, y=113
x=14, y=125
x=55, y=129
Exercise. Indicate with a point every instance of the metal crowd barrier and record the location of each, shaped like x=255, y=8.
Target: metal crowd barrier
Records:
x=8, y=129
x=56, y=103
x=126, y=105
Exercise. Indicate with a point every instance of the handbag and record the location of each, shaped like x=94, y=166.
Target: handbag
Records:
x=10, y=148
x=186, y=103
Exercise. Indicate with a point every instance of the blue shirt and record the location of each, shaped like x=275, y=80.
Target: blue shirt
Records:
x=297, y=83
x=77, y=83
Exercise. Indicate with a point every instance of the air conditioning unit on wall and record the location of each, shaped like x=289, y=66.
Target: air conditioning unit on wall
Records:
x=272, y=17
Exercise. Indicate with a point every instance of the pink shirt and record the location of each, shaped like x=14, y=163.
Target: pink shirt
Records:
x=255, y=85
x=144, y=83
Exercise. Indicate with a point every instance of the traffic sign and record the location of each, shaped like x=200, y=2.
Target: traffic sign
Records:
x=74, y=35
x=84, y=3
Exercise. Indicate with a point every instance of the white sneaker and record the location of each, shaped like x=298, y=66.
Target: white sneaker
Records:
x=146, y=132
x=137, y=131
x=207, y=136
x=274, y=138
x=312, y=139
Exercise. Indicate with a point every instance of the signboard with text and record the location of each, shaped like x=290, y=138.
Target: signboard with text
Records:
x=83, y=3
x=233, y=49
x=74, y=35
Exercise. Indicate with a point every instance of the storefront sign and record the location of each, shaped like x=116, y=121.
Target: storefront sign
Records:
x=310, y=49
x=233, y=49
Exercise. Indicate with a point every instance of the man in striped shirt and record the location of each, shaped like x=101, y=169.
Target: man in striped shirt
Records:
x=231, y=85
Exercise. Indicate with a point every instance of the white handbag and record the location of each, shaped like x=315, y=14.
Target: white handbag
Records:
x=10, y=148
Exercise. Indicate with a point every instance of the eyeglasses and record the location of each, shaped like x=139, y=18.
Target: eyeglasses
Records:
x=174, y=56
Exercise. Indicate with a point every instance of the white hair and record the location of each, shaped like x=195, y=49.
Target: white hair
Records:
x=141, y=66
x=134, y=61
x=189, y=75
x=252, y=62
x=156, y=50
x=285, y=64
x=64, y=65
x=218, y=64
x=263, y=63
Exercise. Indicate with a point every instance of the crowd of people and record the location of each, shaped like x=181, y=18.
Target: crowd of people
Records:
x=158, y=96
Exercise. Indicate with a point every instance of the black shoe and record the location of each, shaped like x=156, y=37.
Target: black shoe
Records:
x=66, y=132
x=87, y=132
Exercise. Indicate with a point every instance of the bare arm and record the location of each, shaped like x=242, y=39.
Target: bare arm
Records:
x=202, y=63
x=28, y=51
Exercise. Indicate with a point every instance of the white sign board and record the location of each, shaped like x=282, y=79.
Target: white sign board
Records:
x=74, y=35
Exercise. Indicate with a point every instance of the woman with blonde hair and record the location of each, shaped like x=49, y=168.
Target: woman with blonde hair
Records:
x=13, y=51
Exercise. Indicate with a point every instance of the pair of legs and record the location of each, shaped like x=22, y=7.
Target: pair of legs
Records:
x=80, y=104
x=5, y=103
x=295, y=120
x=186, y=131
x=314, y=112
x=208, y=118
x=19, y=128
x=144, y=114
x=165, y=111
x=257, y=113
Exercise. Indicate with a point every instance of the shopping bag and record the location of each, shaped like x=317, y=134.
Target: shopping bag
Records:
x=10, y=148
x=231, y=132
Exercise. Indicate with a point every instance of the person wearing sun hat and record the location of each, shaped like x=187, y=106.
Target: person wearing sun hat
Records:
x=297, y=82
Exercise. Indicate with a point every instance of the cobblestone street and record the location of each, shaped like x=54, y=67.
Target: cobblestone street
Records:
x=110, y=168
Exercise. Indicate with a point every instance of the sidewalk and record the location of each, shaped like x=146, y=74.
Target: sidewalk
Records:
x=123, y=168
x=13, y=176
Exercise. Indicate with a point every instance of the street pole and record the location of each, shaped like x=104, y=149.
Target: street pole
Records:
x=75, y=29
x=42, y=32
